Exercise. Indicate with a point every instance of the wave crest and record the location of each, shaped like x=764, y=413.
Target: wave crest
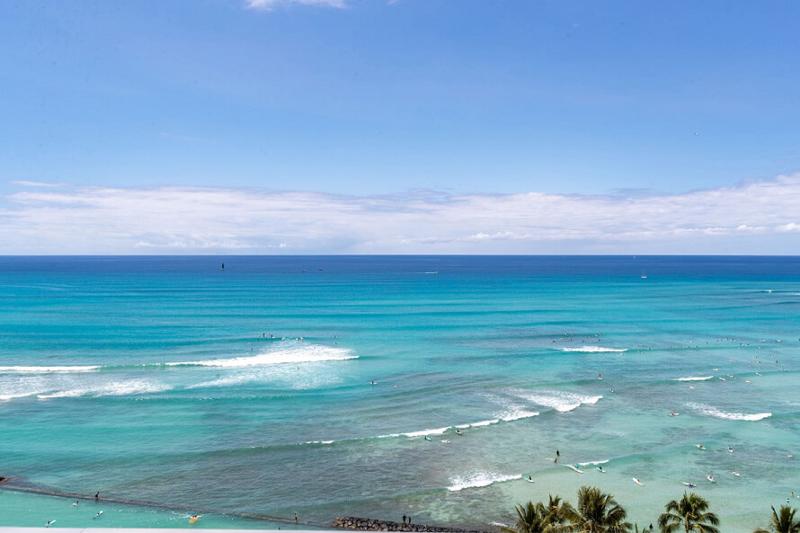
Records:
x=62, y=369
x=560, y=401
x=725, y=415
x=592, y=349
x=114, y=388
x=312, y=353
x=479, y=479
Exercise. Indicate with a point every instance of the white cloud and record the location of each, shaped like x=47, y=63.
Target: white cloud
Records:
x=268, y=5
x=30, y=183
x=758, y=217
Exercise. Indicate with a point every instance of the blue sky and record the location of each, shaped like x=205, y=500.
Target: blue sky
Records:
x=362, y=99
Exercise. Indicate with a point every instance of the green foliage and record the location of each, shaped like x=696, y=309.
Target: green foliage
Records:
x=782, y=521
x=690, y=514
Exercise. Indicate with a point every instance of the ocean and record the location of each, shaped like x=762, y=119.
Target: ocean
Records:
x=427, y=386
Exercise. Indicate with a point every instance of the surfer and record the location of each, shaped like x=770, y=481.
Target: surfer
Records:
x=700, y=446
x=601, y=469
x=223, y=266
x=459, y=432
x=97, y=496
x=636, y=480
x=710, y=478
x=673, y=413
x=98, y=515
x=428, y=437
x=690, y=485
x=730, y=449
x=49, y=523
x=530, y=478
x=558, y=456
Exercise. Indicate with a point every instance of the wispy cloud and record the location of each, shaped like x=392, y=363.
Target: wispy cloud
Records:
x=268, y=5
x=758, y=217
x=30, y=183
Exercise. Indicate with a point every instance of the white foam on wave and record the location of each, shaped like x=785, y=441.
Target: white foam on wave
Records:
x=508, y=416
x=718, y=413
x=695, y=378
x=14, y=396
x=517, y=414
x=312, y=353
x=592, y=349
x=423, y=432
x=594, y=463
x=562, y=402
x=64, y=369
x=479, y=479
x=114, y=388
x=325, y=442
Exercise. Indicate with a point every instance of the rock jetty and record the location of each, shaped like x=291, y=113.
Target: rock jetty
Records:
x=370, y=524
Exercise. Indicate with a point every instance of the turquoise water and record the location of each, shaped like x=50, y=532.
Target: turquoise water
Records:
x=308, y=385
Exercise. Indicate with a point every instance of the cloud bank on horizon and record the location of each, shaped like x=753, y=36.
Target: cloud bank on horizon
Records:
x=750, y=218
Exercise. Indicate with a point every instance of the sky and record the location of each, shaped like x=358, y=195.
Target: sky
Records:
x=399, y=126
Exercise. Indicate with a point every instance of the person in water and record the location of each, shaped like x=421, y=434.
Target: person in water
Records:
x=558, y=456
x=97, y=495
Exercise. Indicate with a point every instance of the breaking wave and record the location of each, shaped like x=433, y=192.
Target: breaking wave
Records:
x=312, y=353
x=695, y=378
x=479, y=479
x=115, y=388
x=64, y=369
x=592, y=349
x=718, y=413
x=562, y=402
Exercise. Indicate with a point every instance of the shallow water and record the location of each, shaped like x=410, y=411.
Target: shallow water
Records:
x=249, y=389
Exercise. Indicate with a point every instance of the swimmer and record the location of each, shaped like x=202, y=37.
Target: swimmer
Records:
x=730, y=449
x=98, y=515
x=699, y=446
x=674, y=413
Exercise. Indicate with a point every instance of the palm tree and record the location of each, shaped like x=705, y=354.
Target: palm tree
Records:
x=691, y=513
x=598, y=512
x=541, y=518
x=782, y=522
